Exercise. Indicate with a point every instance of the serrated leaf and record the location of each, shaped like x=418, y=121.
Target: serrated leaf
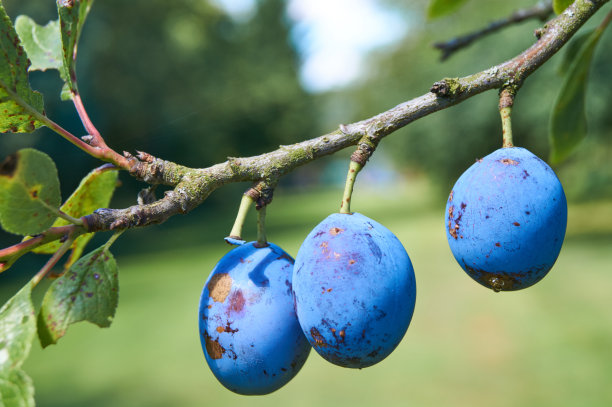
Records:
x=95, y=191
x=572, y=50
x=18, y=102
x=42, y=44
x=86, y=292
x=439, y=8
x=16, y=390
x=29, y=186
x=17, y=330
x=568, y=122
x=72, y=15
x=559, y=6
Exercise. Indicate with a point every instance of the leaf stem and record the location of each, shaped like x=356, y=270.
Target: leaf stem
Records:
x=354, y=168
x=112, y=239
x=52, y=261
x=87, y=123
x=63, y=214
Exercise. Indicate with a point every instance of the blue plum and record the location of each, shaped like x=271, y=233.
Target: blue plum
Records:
x=354, y=289
x=506, y=219
x=249, y=331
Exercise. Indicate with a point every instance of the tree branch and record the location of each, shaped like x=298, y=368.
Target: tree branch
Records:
x=193, y=186
x=541, y=11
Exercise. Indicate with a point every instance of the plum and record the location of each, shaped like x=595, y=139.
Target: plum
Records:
x=354, y=289
x=506, y=219
x=249, y=331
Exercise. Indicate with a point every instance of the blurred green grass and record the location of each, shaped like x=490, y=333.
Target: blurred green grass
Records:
x=550, y=345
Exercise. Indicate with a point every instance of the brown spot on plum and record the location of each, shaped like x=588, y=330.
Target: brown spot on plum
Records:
x=219, y=287
x=351, y=262
x=373, y=353
x=318, y=339
x=501, y=280
x=213, y=347
x=335, y=231
x=498, y=244
x=508, y=161
x=220, y=329
x=463, y=205
x=342, y=335
x=450, y=197
x=237, y=301
x=525, y=174
x=527, y=213
x=516, y=224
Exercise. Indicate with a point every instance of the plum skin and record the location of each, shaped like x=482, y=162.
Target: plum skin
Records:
x=249, y=331
x=506, y=218
x=355, y=290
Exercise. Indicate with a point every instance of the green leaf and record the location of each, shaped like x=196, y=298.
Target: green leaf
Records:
x=29, y=190
x=19, y=104
x=16, y=389
x=572, y=50
x=560, y=5
x=72, y=15
x=439, y=8
x=568, y=122
x=17, y=331
x=86, y=292
x=95, y=191
x=42, y=44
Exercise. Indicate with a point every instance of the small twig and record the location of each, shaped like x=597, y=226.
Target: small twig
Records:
x=541, y=11
x=10, y=254
x=52, y=261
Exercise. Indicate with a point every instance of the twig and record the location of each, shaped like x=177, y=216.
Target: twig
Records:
x=52, y=261
x=541, y=11
x=10, y=254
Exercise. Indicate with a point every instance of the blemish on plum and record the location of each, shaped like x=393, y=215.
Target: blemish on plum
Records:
x=237, y=301
x=219, y=287
x=516, y=224
x=498, y=244
x=318, y=338
x=508, y=161
x=335, y=231
x=213, y=347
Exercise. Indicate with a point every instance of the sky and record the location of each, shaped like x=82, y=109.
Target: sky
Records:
x=333, y=37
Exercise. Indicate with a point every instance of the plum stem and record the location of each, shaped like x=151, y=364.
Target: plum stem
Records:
x=261, y=228
x=354, y=168
x=245, y=204
x=506, y=100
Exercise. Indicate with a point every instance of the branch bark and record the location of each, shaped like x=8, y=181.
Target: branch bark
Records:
x=192, y=186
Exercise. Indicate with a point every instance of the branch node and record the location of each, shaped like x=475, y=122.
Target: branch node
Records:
x=447, y=87
x=87, y=138
x=146, y=157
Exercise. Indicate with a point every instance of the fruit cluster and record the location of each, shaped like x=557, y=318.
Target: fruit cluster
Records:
x=350, y=294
